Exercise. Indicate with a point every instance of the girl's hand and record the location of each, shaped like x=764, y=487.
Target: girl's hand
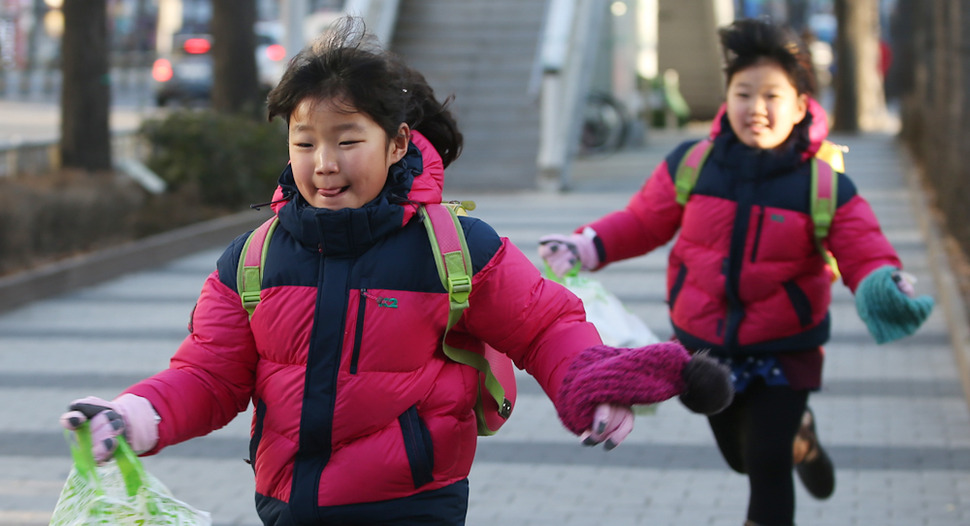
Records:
x=611, y=425
x=128, y=415
x=905, y=282
x=887, y=302
x=563, y=253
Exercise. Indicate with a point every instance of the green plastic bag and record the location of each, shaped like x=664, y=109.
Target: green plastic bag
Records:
x=120, y=492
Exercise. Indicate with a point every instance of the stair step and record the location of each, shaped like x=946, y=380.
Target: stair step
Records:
x=483, y=52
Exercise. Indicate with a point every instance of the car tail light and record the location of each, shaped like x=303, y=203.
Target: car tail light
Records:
x=276, y=52
x=196, y=46
x=162, y=70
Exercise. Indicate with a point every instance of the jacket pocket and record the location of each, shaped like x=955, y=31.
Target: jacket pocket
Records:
x=803, y=308
x=678, y=284
x=257, y=433
x=417, y=444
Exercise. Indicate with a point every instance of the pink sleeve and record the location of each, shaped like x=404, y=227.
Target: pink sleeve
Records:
x=858, y=243
x=537, y=322
x=651, y=218
x=211, y=377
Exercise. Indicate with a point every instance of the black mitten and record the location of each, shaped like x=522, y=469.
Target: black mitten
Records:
x=707, y=385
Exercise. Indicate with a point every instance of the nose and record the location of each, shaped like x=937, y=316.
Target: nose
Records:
x=760, y=106
x=326, y=161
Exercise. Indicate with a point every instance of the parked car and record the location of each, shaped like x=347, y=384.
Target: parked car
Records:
x=185, y=75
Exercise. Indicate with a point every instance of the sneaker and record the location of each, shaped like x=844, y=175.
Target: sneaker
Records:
x=812, y=463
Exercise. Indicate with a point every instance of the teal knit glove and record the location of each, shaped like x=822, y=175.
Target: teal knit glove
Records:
x=888, y=312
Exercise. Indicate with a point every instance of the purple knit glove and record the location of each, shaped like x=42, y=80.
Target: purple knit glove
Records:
x=130, y=415
x=645, y=375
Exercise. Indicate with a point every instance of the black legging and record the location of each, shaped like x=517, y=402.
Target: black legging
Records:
x=755, y=435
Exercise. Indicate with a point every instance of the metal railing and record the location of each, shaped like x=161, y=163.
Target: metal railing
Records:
x=565, y=64
x=130, y=71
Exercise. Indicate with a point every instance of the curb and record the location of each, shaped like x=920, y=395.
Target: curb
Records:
x=90, y=269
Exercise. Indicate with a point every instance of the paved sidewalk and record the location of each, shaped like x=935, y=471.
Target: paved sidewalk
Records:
x=893, y=417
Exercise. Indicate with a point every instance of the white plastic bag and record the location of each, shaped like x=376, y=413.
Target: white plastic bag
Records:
x=617, y=326
x=120, y=492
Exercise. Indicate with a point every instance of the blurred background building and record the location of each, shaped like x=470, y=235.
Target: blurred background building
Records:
x=558, y=77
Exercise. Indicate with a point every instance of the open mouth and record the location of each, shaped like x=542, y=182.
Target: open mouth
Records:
x=757, y=127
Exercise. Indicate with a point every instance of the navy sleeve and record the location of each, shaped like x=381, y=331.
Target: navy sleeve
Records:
x=483, y=242
x=228, y=262
x=846, y=190
x=676, y=155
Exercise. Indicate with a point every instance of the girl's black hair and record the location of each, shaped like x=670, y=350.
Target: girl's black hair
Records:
x=346, y=64
x=749, y=41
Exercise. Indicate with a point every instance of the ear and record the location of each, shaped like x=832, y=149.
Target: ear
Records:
x=801, y=107
x=399, y=144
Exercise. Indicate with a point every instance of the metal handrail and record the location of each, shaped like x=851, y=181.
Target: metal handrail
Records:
x=571, y=30
x=380, y=16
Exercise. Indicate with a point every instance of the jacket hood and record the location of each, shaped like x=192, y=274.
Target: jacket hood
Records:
x=418, y=178
x=808, y=134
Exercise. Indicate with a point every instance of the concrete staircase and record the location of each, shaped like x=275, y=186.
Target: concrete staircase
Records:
x=482, y=52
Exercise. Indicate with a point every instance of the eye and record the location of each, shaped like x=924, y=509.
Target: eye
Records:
x=350, y=142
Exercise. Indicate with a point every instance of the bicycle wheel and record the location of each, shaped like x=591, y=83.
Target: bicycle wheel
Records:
x=604, y=124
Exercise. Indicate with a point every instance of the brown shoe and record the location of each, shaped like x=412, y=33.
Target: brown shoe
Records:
x=812, y=463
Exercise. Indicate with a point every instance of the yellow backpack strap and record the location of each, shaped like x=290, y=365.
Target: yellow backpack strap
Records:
x=249, y=273
x=824, y=200
x=690, y=169
x=455, y=271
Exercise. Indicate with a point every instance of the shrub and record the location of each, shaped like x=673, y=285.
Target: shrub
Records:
x=48, y=217
x=224, y=160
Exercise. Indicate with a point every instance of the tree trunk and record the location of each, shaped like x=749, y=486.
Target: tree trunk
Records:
x=235, y=87
x=933, y=84
x=86, y=88
x=859, y=100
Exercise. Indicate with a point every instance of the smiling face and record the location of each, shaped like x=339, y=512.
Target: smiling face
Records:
x=763, y=105
x=340, y=157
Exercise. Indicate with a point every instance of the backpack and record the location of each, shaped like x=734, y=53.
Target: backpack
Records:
x=496, y=384
x=824, y=197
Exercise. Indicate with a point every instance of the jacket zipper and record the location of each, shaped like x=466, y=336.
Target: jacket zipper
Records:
x=757, y=233
x=358, y=331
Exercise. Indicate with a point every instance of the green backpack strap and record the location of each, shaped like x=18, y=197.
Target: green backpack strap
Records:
x=690, y=168
x=824, y=199
x=249, y=273
x=455, y=271
x=824, y=196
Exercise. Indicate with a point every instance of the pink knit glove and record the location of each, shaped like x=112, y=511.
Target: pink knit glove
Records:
x=562, y=253
x=645, y=375
x=128, y=415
